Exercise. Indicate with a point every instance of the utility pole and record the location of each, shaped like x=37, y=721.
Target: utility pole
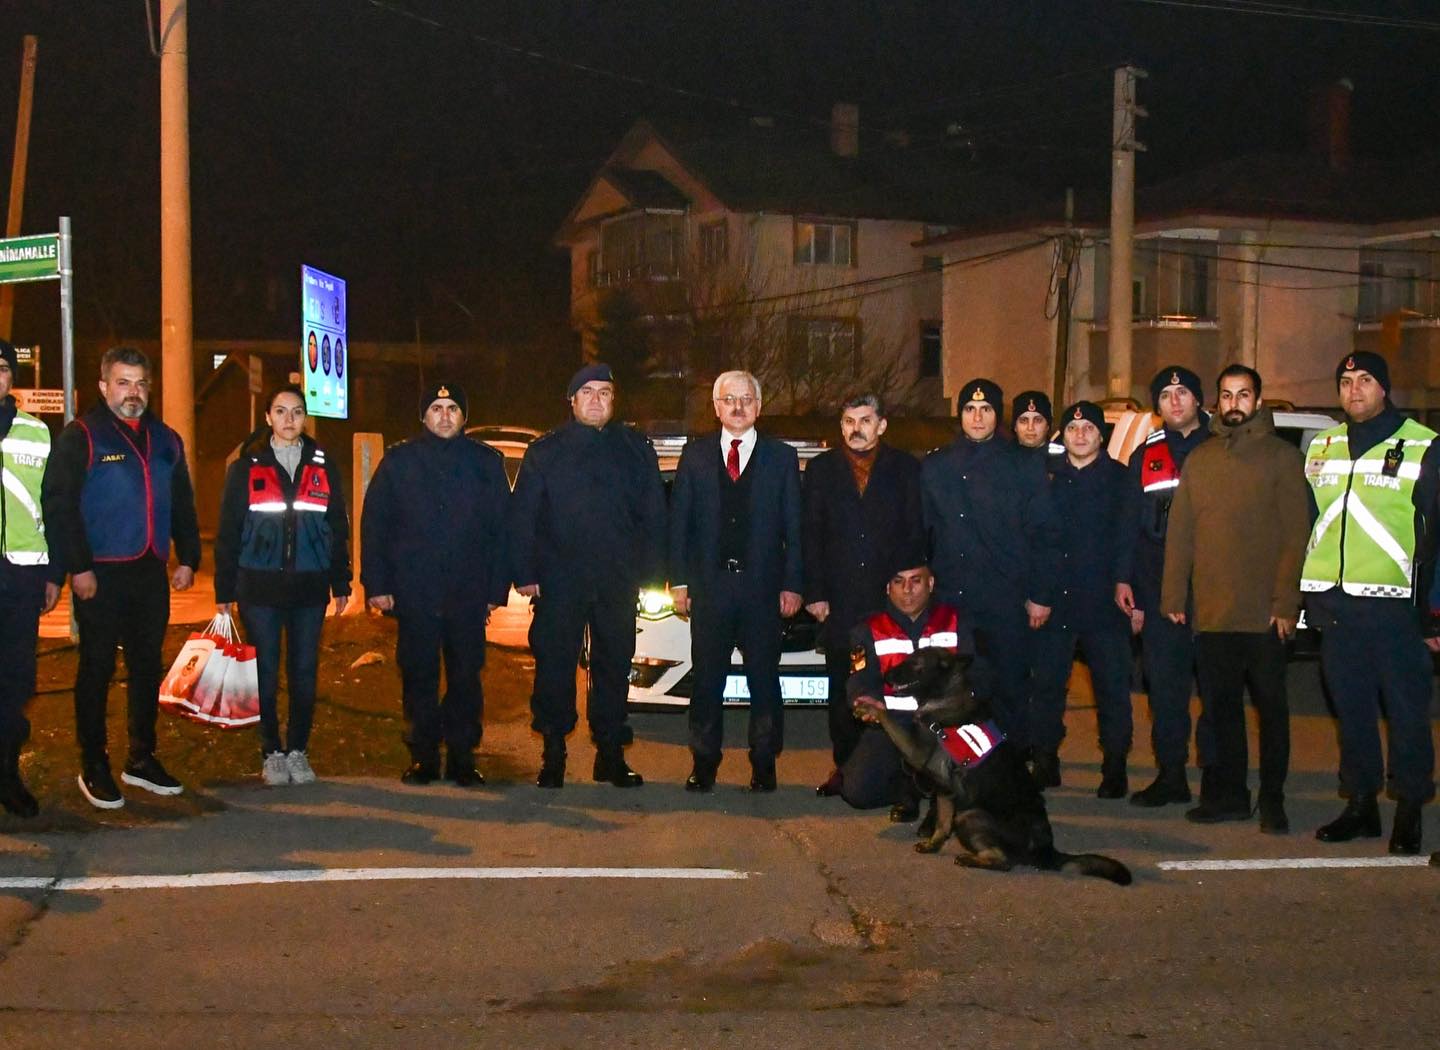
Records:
x=1122, y=226
x=177, y=354
x=17, y=176
x=1068, y=250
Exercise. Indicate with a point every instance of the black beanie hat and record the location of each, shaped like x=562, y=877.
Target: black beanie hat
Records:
x=1175, y=375
x=8, y=353
x=599, y=372
x=1088, y=410
x=985, y=390
x=1031, y=401
x=1365, y=361
x=454, y=391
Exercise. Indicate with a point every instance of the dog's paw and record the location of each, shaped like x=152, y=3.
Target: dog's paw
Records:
x=928, y=847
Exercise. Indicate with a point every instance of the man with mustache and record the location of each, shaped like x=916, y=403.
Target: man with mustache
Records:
x=116, y=495
x=1235, y=543
x=861, y=522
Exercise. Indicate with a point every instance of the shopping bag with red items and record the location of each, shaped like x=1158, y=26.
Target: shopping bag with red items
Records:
x=205, y=701
x=177, y=691
x=240, y=697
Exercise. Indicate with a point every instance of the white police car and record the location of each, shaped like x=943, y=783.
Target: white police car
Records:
x=661, y=674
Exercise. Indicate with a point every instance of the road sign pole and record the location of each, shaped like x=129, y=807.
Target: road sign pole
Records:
x=67, y=318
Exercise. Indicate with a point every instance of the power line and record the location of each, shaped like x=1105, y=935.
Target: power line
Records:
x=1309, y=14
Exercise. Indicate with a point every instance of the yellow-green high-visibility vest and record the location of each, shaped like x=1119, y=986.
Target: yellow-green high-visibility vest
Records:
x=1364, y=539
x=23, y=453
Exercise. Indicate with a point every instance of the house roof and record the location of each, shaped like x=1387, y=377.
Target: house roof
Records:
x=645, y=189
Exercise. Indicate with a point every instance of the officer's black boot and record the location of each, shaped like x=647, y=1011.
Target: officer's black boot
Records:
x=1168, y=786
x=1359, y=819
x=14, y=796
x=1273, y=820
x=552, y=762
x=1045, y=768
x=1405, y=835
x=460, y=768
x=610, y=766
x=1114, y=783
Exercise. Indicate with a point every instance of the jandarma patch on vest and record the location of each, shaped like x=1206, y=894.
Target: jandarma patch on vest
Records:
x=112, y=457
x=1155, y=464
x=857, y=659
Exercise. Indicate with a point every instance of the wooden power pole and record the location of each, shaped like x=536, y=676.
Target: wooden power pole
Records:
x=177, y=337
x=17, y=174
x=1122, y=227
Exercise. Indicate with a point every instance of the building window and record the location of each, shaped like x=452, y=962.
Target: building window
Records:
x=930, y=349
x=932, y=263
x=592, y=267
x=714, y=243
x=1196, y=272
x=641, y=246
x=824, y=345
x=1137, y=297
x=825, y=243
x=1386, y=287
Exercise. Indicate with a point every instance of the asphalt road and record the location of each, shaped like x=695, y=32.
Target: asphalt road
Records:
x=826, y=929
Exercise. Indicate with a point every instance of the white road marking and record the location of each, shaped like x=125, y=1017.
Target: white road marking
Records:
x=212, y=879
x=1285, y=863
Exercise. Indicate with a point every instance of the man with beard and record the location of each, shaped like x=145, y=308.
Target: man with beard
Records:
x=1367, y=568
x=1236, y=543
x=587, y=531
x=861, y=521
x=995, y=550
x=117, y=492
x=1168, y=648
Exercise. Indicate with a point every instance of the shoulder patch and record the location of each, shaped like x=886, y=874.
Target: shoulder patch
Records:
x=857, y=659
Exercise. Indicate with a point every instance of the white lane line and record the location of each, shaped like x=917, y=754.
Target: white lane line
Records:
x=1284, y=863
x=212, y=879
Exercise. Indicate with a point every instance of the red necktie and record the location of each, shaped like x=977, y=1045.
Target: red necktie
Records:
x=732, y=461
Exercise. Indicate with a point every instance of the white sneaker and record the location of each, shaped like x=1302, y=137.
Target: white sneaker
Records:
x=276, y=771
x=299, y=766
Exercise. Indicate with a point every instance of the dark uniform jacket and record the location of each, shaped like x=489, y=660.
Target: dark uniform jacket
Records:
x=990, y=523
x=1089, y=502
x=1146, y=518
x=99, y=501
x=281, y=544
x=855, y=543
x=588, y=512
x=772, y=543
x=433, y=528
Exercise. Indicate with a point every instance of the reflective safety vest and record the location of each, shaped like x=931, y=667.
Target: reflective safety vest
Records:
x=1364, y=539
x=23, y=454
x=893, y=645
x=1158, y=472
x=287, y=532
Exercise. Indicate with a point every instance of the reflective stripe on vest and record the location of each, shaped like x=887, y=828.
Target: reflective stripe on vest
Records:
x=893, y=645
x=23, y=454
x=267, y=495
x=1364, y=537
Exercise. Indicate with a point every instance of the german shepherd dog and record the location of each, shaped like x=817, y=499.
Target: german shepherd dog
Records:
x=992, y=804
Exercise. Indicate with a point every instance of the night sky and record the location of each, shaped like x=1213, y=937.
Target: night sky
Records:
x=431, y=166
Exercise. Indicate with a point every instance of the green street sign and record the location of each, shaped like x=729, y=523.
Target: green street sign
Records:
x=34, y=258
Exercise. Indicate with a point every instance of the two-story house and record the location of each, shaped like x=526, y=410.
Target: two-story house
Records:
x=786, y=249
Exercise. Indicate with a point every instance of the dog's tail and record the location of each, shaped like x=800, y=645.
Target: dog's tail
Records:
x=1101, y=867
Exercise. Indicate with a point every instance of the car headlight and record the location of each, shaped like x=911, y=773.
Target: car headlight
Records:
x=654, y=605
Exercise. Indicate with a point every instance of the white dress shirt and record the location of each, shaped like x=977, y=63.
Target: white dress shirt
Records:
x=747, y=446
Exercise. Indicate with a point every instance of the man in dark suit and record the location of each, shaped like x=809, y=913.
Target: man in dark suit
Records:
x=735, y=571
x=862, y=522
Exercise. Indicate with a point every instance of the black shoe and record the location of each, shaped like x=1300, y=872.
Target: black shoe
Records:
x=98, y=786
x=610, y=767
x=1113, y=781
x=832, y=786
x=1045, y=768
x=462, y=771
x=148, y=773
x=421, y=773
x=1405, y=834
x=1359, y=819
x=905, y=811
x=1168, y=786
x=701, y=778
x=926, y=827
x=1273, y=820
x=1215, y=811
x=762, y=780
x=14, y=795
x=552, y=763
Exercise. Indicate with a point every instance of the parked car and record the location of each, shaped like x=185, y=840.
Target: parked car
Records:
x=661, y=675
x=510, y=624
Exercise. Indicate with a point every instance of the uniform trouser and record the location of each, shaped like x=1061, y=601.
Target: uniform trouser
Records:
x=423, y=638
x=1001, y=672
x=557, y=632
x=20, y=602
x=1368, y=648
x=264, y=626
x=874, y=774
x=131, y=607
x=729, y=614
x=1107, y=652
x=1229, y=661
x=1168, y=655
x=845, y=728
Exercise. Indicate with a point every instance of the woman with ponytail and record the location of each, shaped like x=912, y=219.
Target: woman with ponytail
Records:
x=281, y=552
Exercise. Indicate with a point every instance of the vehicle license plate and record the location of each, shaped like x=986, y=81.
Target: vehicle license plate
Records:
x=792, y=687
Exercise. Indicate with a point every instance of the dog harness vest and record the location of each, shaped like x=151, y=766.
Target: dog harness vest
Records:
x=893, y=645
x=971, y=744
